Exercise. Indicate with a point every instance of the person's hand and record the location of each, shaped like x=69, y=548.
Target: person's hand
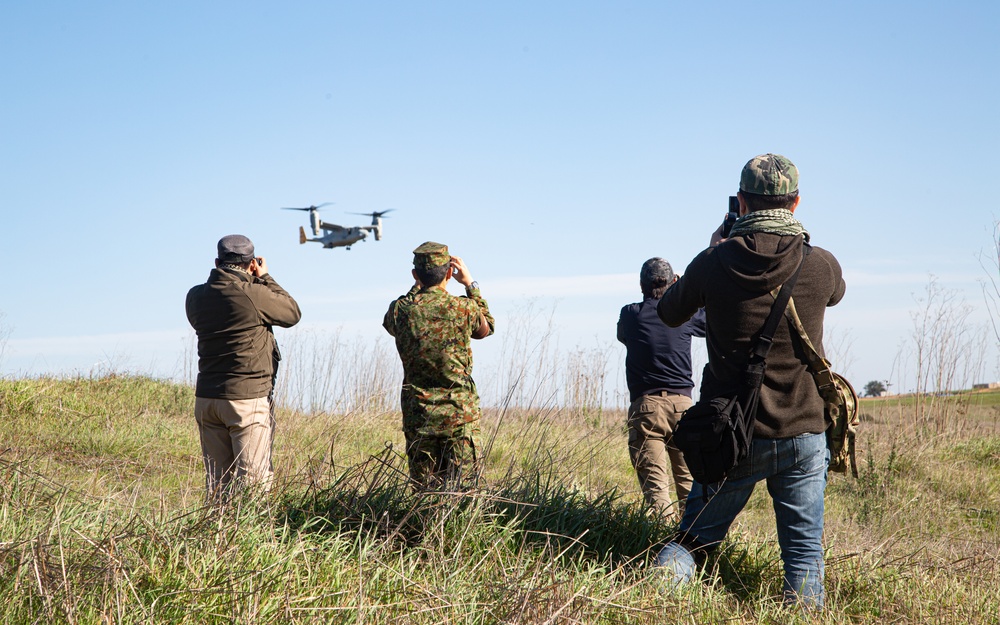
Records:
x=460, y=272
x=258, y=267
x=716, y=237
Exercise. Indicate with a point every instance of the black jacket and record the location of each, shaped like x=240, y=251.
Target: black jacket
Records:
x=733, y=282
x=658, y=357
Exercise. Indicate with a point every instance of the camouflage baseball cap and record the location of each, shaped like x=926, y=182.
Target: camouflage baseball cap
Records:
x=769, y=174
x=235, y=248
x=431, y=254
x=656, y=270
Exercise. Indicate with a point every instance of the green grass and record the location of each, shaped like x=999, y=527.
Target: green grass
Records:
x=101, y=521
x=980, y=398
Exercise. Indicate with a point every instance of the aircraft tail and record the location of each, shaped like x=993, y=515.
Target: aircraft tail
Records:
x=302, y=235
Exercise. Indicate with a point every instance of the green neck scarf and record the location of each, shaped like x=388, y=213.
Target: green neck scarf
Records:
x=773, y=221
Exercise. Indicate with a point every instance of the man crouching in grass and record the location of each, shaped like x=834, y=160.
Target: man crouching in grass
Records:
x=439, y=400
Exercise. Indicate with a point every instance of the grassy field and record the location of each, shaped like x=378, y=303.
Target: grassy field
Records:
x=101, y=521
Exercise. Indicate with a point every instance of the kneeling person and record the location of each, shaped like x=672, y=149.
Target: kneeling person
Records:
x=439, y=401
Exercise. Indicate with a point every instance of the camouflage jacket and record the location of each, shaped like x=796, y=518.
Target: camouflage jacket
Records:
x=433, y=331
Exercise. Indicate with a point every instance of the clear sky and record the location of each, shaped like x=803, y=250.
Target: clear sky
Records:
x=554, y=145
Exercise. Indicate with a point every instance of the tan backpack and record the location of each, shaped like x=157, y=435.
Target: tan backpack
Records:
x=841, y=402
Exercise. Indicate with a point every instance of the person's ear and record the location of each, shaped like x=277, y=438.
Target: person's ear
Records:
x=743, y=204
x=795, y=204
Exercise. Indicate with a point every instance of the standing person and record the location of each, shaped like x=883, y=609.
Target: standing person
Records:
x=733, y=282
x=439, y=401
x=658, y=374
x=232, y=314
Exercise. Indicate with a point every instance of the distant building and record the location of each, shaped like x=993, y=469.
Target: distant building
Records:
x=985, y=386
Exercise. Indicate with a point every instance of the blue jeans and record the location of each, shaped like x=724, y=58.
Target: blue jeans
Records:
x=795, y=471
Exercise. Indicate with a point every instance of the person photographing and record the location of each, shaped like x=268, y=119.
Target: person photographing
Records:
x=233, y=314
x=433, y=330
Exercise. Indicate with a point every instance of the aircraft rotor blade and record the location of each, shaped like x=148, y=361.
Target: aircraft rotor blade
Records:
x=375, y=214
x=306, y=208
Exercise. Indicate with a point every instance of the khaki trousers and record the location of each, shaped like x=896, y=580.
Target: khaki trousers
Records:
x=651, y=423
x=237, y=436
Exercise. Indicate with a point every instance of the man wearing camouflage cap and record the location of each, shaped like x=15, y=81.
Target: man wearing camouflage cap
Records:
x=733, y=281
x=233, y=314
x=658, y=375
x=440, y=405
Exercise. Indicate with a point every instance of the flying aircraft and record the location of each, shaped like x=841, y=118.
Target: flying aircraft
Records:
x=335, y=235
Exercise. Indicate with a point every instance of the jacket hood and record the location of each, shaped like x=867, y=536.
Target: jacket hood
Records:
x=761, y=262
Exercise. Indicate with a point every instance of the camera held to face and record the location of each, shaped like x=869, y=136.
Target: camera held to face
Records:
x=731, y=216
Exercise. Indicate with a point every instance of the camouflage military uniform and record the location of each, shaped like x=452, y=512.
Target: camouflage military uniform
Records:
x=439, y=401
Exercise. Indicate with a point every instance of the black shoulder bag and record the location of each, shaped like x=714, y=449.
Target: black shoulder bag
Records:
x=716, y=433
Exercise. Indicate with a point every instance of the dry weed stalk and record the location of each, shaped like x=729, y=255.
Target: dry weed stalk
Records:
x=949, y=353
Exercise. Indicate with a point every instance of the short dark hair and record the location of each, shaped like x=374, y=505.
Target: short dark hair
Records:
x=432, y=275
x=655, y=290
x=758, y=202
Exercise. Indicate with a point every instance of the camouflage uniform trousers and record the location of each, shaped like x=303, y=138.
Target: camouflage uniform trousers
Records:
x=443, y=461
x=651, y=423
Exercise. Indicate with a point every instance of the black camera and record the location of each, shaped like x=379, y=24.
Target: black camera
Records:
x=731, y=216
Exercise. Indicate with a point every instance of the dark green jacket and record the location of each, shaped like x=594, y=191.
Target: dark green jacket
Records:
x=232, y=315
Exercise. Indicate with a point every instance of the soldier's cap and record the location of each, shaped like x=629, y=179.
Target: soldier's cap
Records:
x=235, y=248
x=769, y=174
x=656, y=270
x=431, y=254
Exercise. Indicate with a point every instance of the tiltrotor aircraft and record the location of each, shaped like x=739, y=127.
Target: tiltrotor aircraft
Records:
x=335, y=235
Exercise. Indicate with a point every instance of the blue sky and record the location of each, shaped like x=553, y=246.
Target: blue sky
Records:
x=554, y=145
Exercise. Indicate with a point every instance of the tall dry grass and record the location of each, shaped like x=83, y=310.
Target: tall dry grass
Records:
x=101, y=521
x=326, y=373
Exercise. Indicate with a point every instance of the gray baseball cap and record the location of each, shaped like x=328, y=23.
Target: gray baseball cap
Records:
x=235, y=248
x=656, y=270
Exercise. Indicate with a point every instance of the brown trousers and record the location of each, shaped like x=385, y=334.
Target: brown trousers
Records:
x=237, y=436
x=651, y=423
